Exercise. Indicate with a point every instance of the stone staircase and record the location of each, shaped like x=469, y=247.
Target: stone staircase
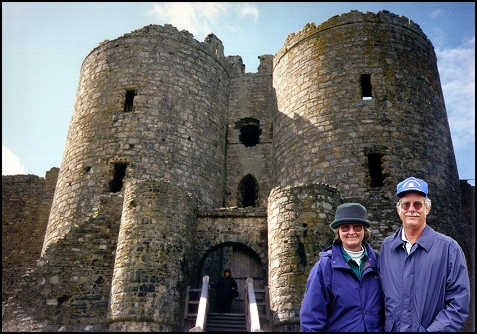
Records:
x=226, y=322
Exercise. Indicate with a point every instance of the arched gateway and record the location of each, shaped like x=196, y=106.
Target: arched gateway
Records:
x=243, y=263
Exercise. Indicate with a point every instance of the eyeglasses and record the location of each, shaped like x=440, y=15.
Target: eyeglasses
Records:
x=347, y=227
x=416, y=204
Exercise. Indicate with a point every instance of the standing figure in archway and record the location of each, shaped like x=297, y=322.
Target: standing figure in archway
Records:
x=226, y=290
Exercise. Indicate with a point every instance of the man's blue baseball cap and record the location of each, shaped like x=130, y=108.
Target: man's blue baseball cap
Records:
x=412, y=184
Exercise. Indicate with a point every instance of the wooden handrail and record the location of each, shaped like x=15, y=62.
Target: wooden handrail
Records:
x=252, y=307
x=267, y=304
x=186, y=308
x=203, y=306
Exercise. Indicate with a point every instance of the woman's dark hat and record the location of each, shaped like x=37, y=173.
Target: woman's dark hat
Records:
x=350, y=213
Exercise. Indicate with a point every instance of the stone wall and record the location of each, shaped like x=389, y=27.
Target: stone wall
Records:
x=26, y=202
x=298, y=230
x=251, y=96
x=69, y=287
x=77, y=271
x=215, y=227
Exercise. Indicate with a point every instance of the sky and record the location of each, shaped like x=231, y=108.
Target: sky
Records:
x=44, y=45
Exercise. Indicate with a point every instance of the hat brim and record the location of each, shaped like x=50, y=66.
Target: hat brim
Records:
x=402, y=193
x=342, y=221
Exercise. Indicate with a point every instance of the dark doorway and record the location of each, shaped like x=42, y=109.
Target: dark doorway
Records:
x=248, y=191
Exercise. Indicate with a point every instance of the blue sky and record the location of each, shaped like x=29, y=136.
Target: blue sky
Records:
x=44, y=44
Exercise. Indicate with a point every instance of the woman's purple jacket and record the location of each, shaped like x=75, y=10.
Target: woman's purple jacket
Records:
x=336, y=300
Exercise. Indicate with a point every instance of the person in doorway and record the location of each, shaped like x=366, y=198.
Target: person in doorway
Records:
x=423, y=272
x=226, y=290
x=343, y=291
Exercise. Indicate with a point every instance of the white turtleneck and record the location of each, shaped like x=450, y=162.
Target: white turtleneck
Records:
x=356, y=256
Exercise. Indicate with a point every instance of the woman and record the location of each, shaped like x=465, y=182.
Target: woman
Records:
x=343, y=291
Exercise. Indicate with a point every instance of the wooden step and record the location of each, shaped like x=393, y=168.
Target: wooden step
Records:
x=223, y=322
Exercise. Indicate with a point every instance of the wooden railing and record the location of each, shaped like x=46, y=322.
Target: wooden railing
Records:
x=190, y=309
x=203, y=306
x=251, y=312
x=263, y=305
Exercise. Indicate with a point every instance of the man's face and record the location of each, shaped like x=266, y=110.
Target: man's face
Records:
x=351, y=235
x=227, y=274
x=412, y=211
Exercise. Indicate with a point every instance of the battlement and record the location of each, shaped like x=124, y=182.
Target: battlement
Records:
x=211, y=45
x=352, y=17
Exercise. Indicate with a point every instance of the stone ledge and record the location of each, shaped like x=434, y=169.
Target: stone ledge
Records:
x=232, y=212
x=211, y=46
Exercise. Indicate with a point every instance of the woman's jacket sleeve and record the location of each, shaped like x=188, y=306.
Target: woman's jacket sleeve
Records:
x=314, y=308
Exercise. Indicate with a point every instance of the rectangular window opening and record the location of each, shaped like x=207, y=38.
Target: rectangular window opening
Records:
x=129, y=101
x=375, y=169
x=119, y=173
x=366, y=88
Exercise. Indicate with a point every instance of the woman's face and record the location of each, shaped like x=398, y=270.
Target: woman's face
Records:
x=351, y=236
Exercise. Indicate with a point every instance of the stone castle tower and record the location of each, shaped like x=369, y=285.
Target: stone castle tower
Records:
x=178, y=163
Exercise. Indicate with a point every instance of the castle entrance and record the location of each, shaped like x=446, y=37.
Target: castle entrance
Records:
x=242, y=261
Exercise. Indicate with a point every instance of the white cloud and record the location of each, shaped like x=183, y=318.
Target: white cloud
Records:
x=436, y=13
x=196, y=18
x=457, y=73
x=246, y=10
x=11, y=164
x=200, y=18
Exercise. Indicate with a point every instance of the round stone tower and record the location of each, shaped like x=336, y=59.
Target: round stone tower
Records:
x=150, y=104
x=298, y=230
x=360, y=107
x=152, y=257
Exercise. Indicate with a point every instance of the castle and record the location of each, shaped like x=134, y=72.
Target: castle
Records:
x=178, y=164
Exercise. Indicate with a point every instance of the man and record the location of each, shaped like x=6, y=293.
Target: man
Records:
x=423, y=272
x=343, y=293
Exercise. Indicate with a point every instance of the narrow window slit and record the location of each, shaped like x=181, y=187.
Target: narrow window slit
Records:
x=376, y=169
x=129, y=101
x=366, y=89
x=119, y=172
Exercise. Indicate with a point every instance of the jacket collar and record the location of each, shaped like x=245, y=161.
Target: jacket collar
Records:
x=338, y=260
x=425, y=240
x=347, y=257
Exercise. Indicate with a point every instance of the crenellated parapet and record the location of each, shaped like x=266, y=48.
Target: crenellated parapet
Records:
x=353, y=17
x=212, y=45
